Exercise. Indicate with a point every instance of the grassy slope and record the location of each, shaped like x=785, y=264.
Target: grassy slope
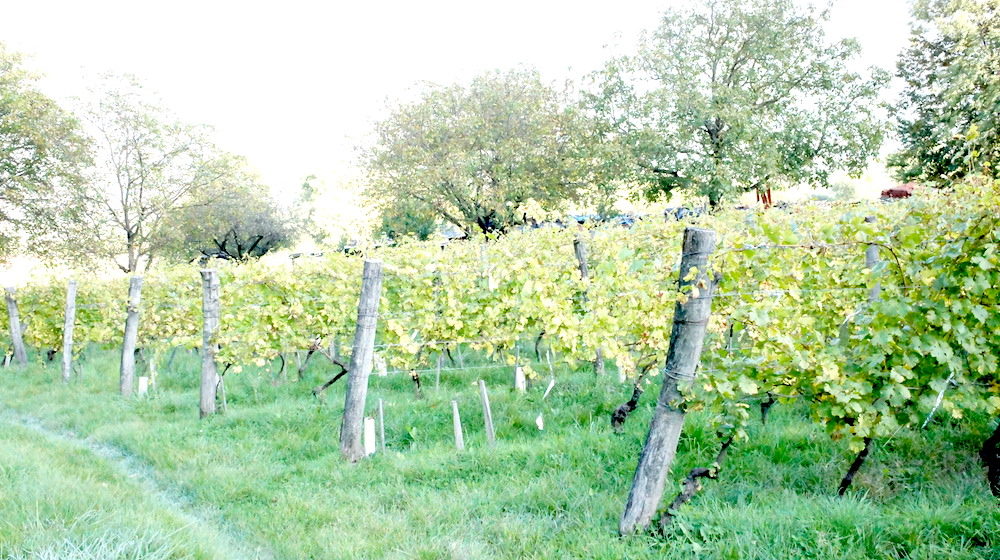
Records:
x=58, y=501
x=272, y=468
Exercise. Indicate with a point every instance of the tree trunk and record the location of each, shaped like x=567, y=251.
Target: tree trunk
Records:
x=127, y=369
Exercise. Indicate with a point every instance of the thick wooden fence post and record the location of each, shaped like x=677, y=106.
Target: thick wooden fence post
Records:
x=683, y=355
x=580, y=250
x=209, y=332
x=491, y=435
x=361, y=363
x=127, y=370
x=16, y=334
x=69, y=322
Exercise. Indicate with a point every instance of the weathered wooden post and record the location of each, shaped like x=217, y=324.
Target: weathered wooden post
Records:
x=491, y=436
x=381, y=426
x=456, y=422
x=580, y=250
x=16, y=334
x=686, y=340
x=361, y=362
x=127, y=369
x=69, y=322
x=210, y=311
x=871, y=260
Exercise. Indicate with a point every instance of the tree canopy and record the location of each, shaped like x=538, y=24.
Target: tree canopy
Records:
x=951, y=101
x=41, y=151
x=473, y=155
x=727, y=96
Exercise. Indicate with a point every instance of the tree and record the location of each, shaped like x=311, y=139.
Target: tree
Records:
x=474, y=154
x=233, y=218
x=404, y=219
x=949, y=105
x=41, y=151
x=728, y=96
x=148, y=166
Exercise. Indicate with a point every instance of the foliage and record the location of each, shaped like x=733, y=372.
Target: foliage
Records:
x=474, y=154
x=232, y=218
x=949, y=106
x=405, y=219
x=148, y=167
x=42, y=152
x=729, y=96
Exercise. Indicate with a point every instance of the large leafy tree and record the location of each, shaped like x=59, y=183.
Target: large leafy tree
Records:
x=149, y=166
x=42, y=151
x=233, y=218
x=474, y=155
x=727, y=96
x=950, y=105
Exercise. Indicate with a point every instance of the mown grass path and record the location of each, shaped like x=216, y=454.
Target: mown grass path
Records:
x=137, y=472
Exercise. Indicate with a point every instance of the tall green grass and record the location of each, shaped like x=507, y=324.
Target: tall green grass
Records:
x=270, y=469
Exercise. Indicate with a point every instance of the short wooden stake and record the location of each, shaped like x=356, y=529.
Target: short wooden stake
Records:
x=127, y=369
x=520, y=382
x=68, y=323
x=143, y=387
x=381, y=426
x=456, y=422
x=16, y=333
x=491, y=436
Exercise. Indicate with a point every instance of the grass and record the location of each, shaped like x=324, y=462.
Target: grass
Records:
x=269, y=472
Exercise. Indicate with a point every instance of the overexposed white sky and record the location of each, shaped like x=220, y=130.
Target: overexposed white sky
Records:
x=295, y=85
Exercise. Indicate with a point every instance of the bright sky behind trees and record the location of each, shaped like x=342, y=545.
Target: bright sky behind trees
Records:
x=295, y=85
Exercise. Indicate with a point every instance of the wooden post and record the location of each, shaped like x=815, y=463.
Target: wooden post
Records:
x=871, y=260
x=686, y=340
x=361, y=362
x=69, y=322
x=210, y=313
x=127, y=368
x=491, y=436
x=580, y=250
x=381, y=426
x=456, y=422
x=143, y=385
x=16, y=334
x=437, y=373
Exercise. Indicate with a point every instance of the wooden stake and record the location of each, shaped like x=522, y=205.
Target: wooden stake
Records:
x=520, y=382
x=127, y=369
x=68, y=323
x=491, y=436
x=381, y=426
x=456, y=422
x=361, y=362
x=210, y=313
x=16, y=333
x=580, y=250
x=686, y=340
